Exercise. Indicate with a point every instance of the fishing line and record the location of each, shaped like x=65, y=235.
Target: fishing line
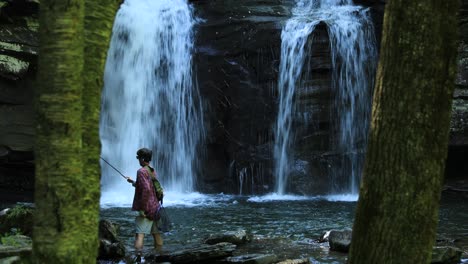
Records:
x=113, y=167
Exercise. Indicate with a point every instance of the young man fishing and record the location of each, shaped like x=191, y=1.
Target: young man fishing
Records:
x=145, y=202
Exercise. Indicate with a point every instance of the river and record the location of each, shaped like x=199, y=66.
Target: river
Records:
x=286, y=226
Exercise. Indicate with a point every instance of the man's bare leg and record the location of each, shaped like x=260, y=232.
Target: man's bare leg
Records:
x=158, y=241
x=139, y=242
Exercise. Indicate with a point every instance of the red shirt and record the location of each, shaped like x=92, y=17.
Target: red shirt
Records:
x=145, y=196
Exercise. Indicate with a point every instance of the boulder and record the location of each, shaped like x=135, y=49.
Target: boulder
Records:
x=445, y=255
x=16, y=247
x=324, y=237
x=10, y=260
x=295, y=261
x=198, y=254
x=19, y=46
x=340, y=240
x=253, y=259
x=235, y=237
x=110, y=246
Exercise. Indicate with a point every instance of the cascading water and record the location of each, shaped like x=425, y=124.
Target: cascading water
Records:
x=353, y=60
x=149, y=99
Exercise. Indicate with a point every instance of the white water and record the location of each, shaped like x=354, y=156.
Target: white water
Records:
x=353, y=56
x=149, y=98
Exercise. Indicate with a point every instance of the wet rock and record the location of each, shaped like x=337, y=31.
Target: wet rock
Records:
x=110, y=251
x=295, y=261
x=19, y=45
x=252, y=259
x=340, y=240
x=459, y=120
x=446, y=255
x=10, y=260
x=17, y=252
x=198, y=254
x=237, y=56
x=235, y=237
x=324, y=237
x=15, y=247
x=110, y=246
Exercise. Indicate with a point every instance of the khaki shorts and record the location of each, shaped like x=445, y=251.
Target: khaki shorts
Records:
x=145, y=226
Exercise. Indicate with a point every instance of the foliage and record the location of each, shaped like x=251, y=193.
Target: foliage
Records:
x=17, y=218
x=9, y=239
x=19, y=211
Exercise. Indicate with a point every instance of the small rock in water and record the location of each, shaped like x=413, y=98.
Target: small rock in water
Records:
x=324, y=237
x=235, y=237
x=295, y=261
x=4, y=211
x=340, y=240
x=253, y=259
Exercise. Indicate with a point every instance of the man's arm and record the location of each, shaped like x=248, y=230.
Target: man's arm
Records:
x=130, y=180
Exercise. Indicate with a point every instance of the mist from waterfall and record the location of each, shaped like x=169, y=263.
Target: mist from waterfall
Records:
x=353, y=62
x=150, y=99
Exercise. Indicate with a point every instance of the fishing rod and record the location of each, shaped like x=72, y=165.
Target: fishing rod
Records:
x=113, y=167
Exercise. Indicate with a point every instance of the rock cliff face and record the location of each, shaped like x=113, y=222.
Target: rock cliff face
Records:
x=236, y=61
x=457, y=166
x=18, y=57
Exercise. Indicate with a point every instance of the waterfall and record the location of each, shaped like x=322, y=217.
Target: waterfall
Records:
x=354, y=58
x=353, y=61
x=149, y=98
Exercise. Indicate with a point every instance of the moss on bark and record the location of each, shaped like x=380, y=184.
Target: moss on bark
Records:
x=67, y=141
x=59, y=182
x=99, y=18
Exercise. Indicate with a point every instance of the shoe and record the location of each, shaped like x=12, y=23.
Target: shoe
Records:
x=137, y=258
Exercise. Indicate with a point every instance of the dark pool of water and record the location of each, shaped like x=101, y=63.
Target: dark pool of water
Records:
x=286, y=228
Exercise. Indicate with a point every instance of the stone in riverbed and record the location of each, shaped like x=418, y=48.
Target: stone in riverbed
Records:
x=197, y=254
x=15, y=248
x=445, y=255
x=340, y=240
x=110, y=246
x=252, y=259
x=295, y=261
x=238, y=237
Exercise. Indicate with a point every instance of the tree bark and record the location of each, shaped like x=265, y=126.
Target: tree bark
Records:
x=68, y=147
x=99, y=18
x=59, y=184
x=397, y=212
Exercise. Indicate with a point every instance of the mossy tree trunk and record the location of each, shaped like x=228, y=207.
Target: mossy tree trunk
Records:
x=57, y=236
x=67, y=147
x=99, y=18
x=397, y=212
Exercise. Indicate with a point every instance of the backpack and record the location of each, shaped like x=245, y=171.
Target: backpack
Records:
x=157, y=185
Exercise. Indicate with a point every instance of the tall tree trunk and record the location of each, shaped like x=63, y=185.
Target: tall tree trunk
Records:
x=397, y=212
x=58, y=219
x=99, y=18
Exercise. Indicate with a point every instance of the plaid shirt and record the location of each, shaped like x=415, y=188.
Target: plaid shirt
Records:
x=145, y=197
